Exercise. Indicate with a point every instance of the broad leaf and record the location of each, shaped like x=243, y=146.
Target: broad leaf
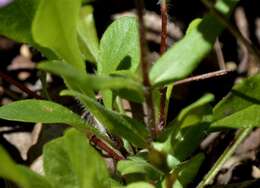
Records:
x=140, y=166
x=87, y=34
x=34, y=111
x=132, y=130
x=55, y=27
x=70, y=161
x=119, y=50
x=180, y=60
x=119, y=47
x=188, y=129
x=20, y=175
x=241, y=107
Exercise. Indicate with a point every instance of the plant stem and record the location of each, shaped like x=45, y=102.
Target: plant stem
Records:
x=251, y=48
x=104, y=147
x=145, y=70
x=242, y=134
x=22, y=87
x=163, y=48
x=203, y=77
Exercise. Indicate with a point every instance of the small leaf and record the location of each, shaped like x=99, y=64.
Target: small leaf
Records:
x=241, y=107
x=138, y=165
x=19, y=174
x=181, y=59
x=54, y=28
x=87, y=34
x=132, y=130
x=34, y=111
x=70, y=161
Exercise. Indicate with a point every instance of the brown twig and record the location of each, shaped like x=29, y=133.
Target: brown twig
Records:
x=242, y=25
x=220, y=56
x=163, y=48
x=203, y=77
x=145, y=70
x=22, y=87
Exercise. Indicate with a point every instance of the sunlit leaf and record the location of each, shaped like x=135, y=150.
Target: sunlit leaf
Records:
x=241, y=107
x=181, y=59
x=87, y=34
x=55, y=27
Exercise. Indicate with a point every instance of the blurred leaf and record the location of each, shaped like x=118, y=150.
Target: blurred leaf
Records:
x=140, y=185
x=181, y=59
x=188, y=129
x=35, y=111
x=70, y=161
x=87, y=34
x=16, y=20
x=118, y=124
x=241, y=107
x=20, y=175
x=55, y=27
x=138, y=165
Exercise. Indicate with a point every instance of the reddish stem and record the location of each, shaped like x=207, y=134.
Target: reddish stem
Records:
x=145, y=70
x=163, y=48
x=25, y=89
x=104, y=147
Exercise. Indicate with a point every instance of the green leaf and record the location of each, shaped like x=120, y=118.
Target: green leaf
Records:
x=119, y=47
x=87, y=34
x=16, y=20
x=140, y=185
x=119, y=50
x=241, y=107
x=19, y=174
x=188, y=129
x=138, y=165
x=55, y=27
x=85, y=84
x=34, y=111
x=70, y=162
x=181, y=59
x=188, y=170
x=118, y=124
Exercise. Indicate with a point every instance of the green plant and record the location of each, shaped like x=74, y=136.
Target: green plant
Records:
x=156, y=157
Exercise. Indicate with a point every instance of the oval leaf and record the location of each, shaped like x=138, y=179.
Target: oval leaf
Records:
x=35, y=111
x=180, y=60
